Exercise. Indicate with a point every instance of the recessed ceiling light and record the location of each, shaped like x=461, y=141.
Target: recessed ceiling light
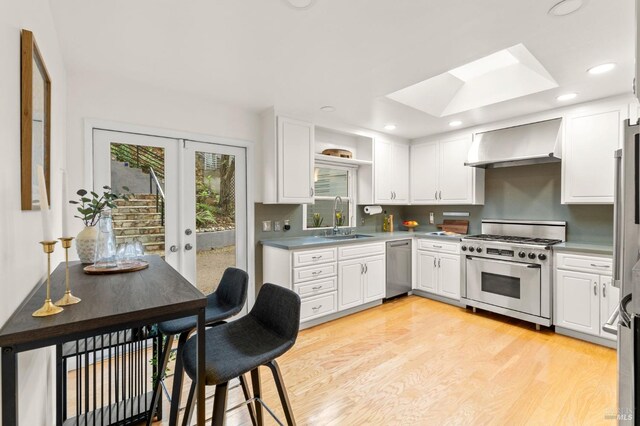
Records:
x=328, y=108
x=601, y=69
x=565, y=7
x=390, y=127
x=455, y=123
x=567, y=96
x=300, y=4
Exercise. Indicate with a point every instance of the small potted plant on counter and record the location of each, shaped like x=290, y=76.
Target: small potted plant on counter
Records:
x=90, y=210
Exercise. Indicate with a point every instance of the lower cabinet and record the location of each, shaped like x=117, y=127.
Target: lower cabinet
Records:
x=439, y=273
x=360, y=281
x=584, y=299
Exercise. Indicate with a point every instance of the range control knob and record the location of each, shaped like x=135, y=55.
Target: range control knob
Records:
x=522, y=254
x=542, y=256
x=471, y=249
x=463, y=248
x=479, y=249
x=532, y=255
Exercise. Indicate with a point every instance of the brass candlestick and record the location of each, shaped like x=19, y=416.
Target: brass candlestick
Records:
x=68, y=298
x=48, y=308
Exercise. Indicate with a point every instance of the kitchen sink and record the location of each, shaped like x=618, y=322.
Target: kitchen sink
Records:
x=347, y=237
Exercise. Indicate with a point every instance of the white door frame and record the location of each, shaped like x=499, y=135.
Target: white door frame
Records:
x=91, y=124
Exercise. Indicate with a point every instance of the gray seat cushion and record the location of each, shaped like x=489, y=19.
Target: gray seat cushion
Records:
x=235, y=348
x=214, y=312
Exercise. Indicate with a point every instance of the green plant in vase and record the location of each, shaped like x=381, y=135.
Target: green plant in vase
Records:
x=339, y=219
x=317, y=220
x=90, y=206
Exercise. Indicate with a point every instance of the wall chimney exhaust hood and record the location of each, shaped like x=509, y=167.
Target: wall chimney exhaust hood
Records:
x=533, y=143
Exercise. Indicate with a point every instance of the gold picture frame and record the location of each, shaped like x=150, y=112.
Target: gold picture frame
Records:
x=35, y=129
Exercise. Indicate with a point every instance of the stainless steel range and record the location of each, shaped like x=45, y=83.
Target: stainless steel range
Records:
x=508, y=268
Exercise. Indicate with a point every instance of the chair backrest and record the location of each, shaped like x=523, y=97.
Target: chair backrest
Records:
x=232, y=290
x=278, y=309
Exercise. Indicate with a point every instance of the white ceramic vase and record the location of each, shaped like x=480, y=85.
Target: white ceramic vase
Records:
x=86, y=244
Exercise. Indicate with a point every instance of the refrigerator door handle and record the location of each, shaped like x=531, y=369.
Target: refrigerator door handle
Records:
x=611, y=326
x=617, y=219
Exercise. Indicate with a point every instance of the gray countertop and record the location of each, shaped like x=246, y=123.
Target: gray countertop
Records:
x=584, y=248
x=305, y=242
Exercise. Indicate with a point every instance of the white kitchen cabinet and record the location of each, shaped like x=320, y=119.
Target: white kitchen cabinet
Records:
x=439, y=176
x=577, y=301
x=427, y=269
x=585, y=296
x=288, y=160
x=590, y=139
x=438, y=269
x=449, y=275
x=609, y=300
x=360, y=281
x=391, y=176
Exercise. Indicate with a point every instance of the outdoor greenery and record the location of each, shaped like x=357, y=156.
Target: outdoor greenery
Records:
x=90, y=209
x=215, y=207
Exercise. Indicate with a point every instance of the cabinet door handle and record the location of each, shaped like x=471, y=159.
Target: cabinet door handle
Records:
x=595, y=289
x=316, y=257
x=316, y=273
x=599, y=266
x=604, y=289
x=435, y=195
x=366, y=268
x=434, y=262
x=438, y=263
x=318, y=287
x=311, y=192
x=440, y=195
x=315, y=308
x=361, y=269
x=436, y=246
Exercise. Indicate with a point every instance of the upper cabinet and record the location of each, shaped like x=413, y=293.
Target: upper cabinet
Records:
x=288, y=160
x=590, y=139
x=439, y=176
x=391, y=183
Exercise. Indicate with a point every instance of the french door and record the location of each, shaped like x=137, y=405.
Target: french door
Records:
x=187, y=200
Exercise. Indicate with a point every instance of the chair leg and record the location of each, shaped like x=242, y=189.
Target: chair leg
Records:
x=282, y=391
x=220, y=404
x=257, y=393
x=247, y=396
x=178, y=375
x=162, y=367
x=188, y=411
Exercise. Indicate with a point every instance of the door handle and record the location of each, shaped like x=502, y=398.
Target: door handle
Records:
x=434, y=262
x=609, y=326
x=188, y=247
x=188, y=231
x=173, y=249
x=438, y=263
x=361, y=269
x=617, y=219
x=311, y=192
x=435, y=195
x=366, y=268
x=595, y=289
x=440, y=194
x=604, y=290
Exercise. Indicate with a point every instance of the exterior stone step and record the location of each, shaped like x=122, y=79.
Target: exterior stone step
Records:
x=144, y=238
x=129, y=224
x=139, y=230
x=136, y=202
x=136, y=209
x=154, y=248
x=142, y=196
x=135, y=216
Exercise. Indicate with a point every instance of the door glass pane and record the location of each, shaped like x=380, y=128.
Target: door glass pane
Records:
x=501, y=285
x=141, y=169
x=215, y=218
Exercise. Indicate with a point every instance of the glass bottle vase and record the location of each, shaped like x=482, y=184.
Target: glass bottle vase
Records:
x=106, y=253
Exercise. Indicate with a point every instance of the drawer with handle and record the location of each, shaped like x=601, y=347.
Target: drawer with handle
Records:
x=352, y=251
x=440, y=246
x=314, y=257
x=317, y=306
x=315, y=287
x=314, y=272
x=582, y=263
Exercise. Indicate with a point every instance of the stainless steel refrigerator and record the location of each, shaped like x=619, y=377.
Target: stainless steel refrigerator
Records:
x=625, y=320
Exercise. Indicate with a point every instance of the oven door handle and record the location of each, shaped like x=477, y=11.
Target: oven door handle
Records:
x=502, y=262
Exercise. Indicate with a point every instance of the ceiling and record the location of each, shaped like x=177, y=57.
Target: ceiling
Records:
x=348, y=54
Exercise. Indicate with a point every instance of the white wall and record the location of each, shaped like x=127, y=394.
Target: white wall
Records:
x=105, y=98
x=22, y=264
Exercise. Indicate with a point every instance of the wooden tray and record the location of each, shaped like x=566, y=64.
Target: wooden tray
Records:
x=137, y=265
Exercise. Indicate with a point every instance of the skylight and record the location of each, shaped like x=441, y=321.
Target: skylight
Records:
x=501, y=76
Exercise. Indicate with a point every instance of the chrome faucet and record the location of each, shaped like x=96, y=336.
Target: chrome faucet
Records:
x=337, y=200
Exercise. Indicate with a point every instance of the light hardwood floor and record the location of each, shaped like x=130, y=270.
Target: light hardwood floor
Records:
x=414, y=361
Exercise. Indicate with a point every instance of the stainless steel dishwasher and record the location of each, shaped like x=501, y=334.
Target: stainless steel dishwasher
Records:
x=398, y=268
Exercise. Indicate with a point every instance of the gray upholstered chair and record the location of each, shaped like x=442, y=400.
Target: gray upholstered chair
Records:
x=241, y=346
x=226, y=301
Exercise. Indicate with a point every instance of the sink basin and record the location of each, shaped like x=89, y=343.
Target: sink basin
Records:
x=347, y=237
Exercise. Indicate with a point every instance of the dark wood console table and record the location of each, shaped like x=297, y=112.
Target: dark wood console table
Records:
x=110, y=303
